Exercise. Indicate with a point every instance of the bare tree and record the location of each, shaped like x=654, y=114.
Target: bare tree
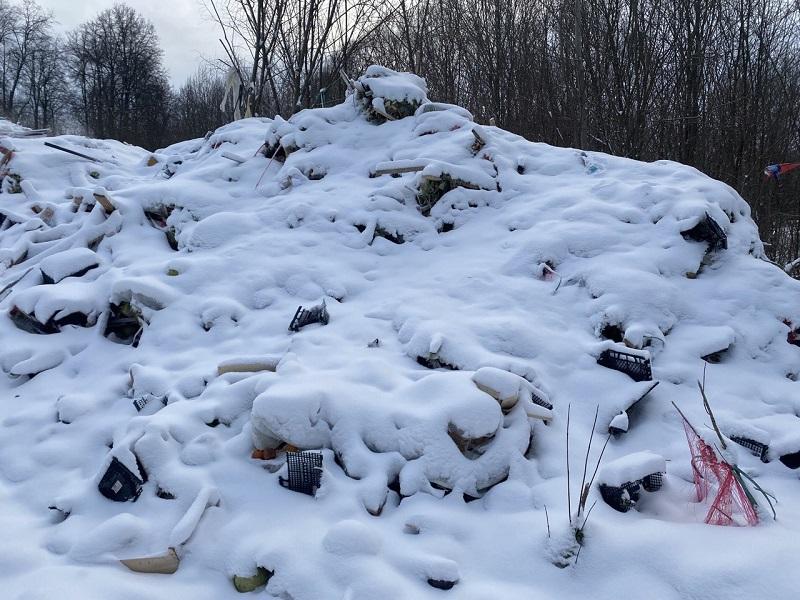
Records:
x=196, y=105
x=286, y=51
x=22, y=29
x=115, y=62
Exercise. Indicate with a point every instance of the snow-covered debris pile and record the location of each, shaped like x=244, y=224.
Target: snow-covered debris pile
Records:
x=386, y=94
x=476, y=288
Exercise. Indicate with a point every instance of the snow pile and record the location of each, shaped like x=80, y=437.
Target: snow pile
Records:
x=472, y=280
x=631, y=468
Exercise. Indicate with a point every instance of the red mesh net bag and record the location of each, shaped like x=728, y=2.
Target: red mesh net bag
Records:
x=712, y=475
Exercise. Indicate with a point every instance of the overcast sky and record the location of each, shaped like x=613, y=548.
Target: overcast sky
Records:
x=184, y=28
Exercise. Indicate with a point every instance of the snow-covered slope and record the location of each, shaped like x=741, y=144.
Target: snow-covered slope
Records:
x=428, y=392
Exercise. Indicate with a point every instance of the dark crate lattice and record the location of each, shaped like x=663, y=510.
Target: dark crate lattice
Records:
x=621, y=498
x=541, y=401
x=635, y=366
x=306, y=316
x=142, y=401
x=304, y=472
x=625, y=496
x=756, y=448
x=119, y=483
x=653, y=482
x=708, y=230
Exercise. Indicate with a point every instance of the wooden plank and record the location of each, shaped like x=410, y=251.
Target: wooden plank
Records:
x=106, y=203
x=397, y=170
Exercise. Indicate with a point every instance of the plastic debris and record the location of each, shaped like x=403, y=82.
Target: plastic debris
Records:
x=756, y=448
x=622, y=481
x=125, y=324
x=441, y=584
x=304, y=472
x=732, y=503
x=119, y=483
x=315, y=314
x=636, y=366
x=708, y=230
x=775, y=171
x=149, y=400
x=165, y=564
x=245, y=584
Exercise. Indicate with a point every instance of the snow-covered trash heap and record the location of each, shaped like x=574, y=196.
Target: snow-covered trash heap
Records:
x=461, y=291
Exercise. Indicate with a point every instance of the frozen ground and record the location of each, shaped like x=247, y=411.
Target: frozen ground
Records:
x=522, y=267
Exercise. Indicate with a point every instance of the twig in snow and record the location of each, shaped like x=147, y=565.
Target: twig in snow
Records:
x=597, y=466
x=547, y=519
x=264, y=172
x=584, y=492
x=580, y=546
x=569, y=492
x=707, y=408
x=558, y=285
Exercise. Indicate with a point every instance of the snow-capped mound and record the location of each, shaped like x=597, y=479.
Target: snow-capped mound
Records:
x=453, y=292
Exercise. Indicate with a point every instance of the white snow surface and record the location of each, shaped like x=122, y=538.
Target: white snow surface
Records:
x=519, y=276
x=631, y=468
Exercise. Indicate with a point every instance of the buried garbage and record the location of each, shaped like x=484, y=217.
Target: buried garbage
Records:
x=125, y=324
x=307, y=316
x=438, y=395
x=303, y=472
x=709, y=231
x=165, y=564
x=250, y=583
x=622, y=481
x=119, y=483
x=635, y=365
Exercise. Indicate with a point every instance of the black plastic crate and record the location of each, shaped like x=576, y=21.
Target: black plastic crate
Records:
x=708, y=230
x=791, y=460
x=306, y=316
x=125, y=324
x=144, y=400
x=653, y=482
x=541, y=401
x=635, y=366
x=304, y=472
x=756, y=448
x=621, y=498
x=119, y=483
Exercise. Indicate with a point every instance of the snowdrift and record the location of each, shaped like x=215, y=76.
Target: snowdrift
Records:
x=476, y=285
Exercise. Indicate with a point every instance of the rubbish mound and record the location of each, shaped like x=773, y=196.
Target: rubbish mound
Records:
x=401, y=434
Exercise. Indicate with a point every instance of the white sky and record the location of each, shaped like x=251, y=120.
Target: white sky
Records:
x=186, y=32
